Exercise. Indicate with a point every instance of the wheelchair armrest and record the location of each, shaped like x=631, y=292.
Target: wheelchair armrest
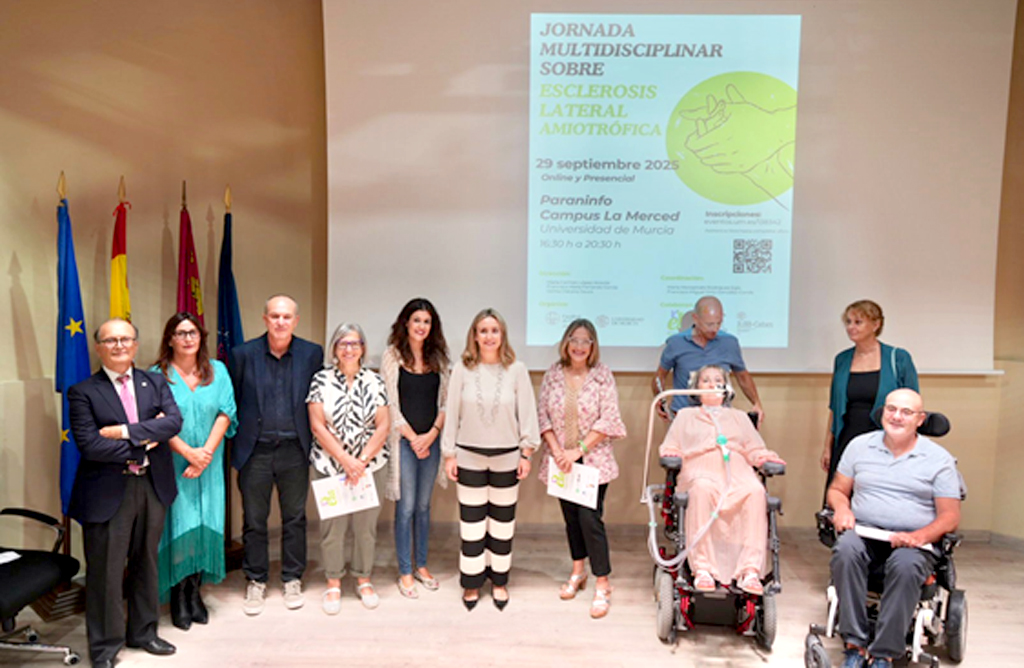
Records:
x=949, y=542
x=671, y=463
x=42, y=518
x=769, y=469
x=826, y=529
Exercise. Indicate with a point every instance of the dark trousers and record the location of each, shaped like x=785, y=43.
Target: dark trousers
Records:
x=282, y=463
x=906, y=569
x=131, y=538
x=586, y=533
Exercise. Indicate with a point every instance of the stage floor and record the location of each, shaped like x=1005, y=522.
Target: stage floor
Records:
x=536, y=629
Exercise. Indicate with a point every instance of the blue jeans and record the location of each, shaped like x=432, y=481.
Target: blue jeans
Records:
x=412, y=512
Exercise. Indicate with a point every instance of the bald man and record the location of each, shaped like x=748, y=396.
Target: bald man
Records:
x=271, y=377
x=704, y=344
x=906, y=484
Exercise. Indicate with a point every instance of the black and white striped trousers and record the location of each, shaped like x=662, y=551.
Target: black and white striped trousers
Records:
x=487, y=490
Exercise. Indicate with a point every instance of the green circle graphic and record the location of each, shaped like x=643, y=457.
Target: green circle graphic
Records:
x=733, y=136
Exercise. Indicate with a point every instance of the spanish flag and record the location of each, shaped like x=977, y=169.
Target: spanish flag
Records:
x=120, y=302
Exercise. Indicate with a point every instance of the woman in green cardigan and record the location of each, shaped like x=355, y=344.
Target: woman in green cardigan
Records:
x=862, y=376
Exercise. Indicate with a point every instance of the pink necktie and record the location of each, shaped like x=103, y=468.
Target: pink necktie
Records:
x=127, y=401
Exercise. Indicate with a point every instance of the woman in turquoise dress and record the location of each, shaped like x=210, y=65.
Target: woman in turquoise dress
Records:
x=192, y=545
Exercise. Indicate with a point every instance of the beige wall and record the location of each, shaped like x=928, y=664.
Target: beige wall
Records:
x=1008, y=492
x=212, y=92
x=233, y=92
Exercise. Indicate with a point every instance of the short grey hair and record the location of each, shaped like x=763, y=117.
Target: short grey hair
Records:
x=340, y=332
x=96, y=333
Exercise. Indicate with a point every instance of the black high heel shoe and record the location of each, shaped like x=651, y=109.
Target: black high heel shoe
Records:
x=500, y=603
x=181, y=616
x=200, y=615
x=470, y=603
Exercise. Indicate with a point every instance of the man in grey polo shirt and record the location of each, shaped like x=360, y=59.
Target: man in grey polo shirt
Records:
x=902, y=482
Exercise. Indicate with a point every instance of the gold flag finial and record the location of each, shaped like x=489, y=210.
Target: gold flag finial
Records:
x=227, y=198
x=62, y=186
x=184, y=199
x=121, y=193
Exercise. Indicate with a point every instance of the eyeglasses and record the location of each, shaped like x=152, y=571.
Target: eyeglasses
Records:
x=349, y=345
x=904, y=412
x=187, y=334
x=582, y=343
x=113, y=342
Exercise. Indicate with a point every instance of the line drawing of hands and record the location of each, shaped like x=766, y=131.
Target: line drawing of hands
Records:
x=735, y=136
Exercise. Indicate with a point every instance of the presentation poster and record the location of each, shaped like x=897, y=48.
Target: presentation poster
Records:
x=661, y=169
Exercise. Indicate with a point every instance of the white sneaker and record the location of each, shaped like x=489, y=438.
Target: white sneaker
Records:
x=293, y=598
x=255, y=596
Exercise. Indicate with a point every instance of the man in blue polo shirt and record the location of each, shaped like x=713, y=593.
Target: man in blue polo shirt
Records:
x=900, y=482
x=699, y=346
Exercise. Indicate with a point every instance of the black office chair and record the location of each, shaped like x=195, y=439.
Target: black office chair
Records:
x=27, y=578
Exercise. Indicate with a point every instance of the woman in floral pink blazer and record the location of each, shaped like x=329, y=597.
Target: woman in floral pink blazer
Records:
x=579, y=417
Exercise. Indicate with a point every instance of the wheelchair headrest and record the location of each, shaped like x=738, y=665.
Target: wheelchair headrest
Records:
x=934, y=425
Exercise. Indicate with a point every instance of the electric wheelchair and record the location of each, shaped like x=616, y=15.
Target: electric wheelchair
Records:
x=680, y=606
x=940, y=619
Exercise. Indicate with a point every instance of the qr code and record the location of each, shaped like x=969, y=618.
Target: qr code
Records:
x=752, y=256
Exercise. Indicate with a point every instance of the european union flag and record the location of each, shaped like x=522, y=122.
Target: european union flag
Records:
x=72, y=346
x=229, y=320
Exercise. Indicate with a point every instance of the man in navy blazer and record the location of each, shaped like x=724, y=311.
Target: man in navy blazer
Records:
x=271, y=375
x=122, y=418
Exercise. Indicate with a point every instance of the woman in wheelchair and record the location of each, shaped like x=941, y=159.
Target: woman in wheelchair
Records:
x=734, y=547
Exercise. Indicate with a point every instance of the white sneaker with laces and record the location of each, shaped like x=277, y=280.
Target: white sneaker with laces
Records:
x=255, y=596
x=293, y=598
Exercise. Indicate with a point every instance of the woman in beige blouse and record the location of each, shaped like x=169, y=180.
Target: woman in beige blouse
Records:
x=489, y=436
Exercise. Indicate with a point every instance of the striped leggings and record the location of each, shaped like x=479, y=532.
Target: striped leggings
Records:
x=487, y=491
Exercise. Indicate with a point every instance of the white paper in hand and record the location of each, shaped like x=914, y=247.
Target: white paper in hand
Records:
x=579, y=485
x=335, y=497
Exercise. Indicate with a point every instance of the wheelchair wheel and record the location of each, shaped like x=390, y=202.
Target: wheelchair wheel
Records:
x=815, y=656
x=665, y=620
x=956, y=625
x=766, y=621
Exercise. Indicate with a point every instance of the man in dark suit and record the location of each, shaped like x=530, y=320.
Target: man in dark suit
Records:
x=122, y=418
x=271, y=375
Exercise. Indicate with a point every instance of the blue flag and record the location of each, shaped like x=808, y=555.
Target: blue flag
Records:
x=229, y=320
x=72, y=346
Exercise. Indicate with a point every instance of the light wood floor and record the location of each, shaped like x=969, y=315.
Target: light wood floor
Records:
x=537, y=629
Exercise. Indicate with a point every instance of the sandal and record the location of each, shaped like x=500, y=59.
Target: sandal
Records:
x=703, y=581
x=331, y=606
x=407, y=592
x=429, y=583
x=602, y=601
x=750, y=582
x=575, y=583
x=368, y=595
